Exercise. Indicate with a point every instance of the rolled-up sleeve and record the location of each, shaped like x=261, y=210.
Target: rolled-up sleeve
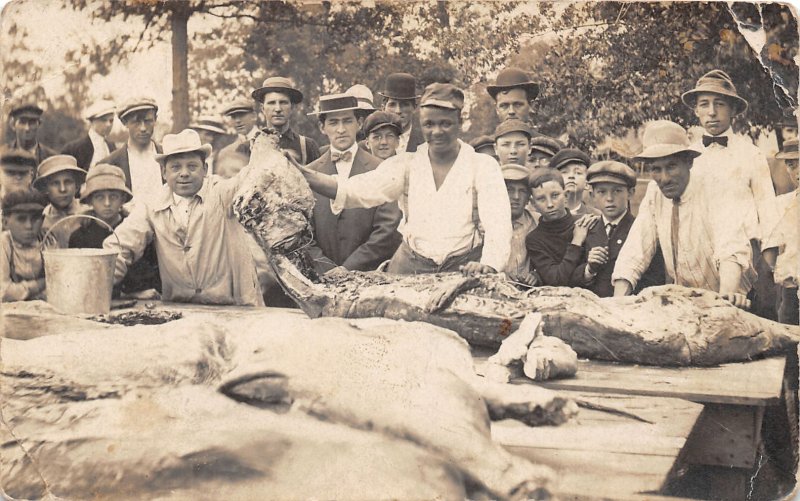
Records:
x=494, y=211
x=134, y=233
x=373, y=188
x=639, y=248
x=764, y=194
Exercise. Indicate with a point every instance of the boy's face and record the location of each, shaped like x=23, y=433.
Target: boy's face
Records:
x=24, y=226
x=549, y=201
x=184, y=173
x=107, y=203
x=715, y=113
x=794, y=170
x=102, y=125
x=513, y=103
x=60, y=189
x=140, y=125
x=243, y=121
x=518, y=196
x=341, y=128
x=611, y=199
x=538, y=159
x=671, y=174
x=15, y=178
x=383, y=142
x=277, y=107
x=574, y=177
x=512, y=148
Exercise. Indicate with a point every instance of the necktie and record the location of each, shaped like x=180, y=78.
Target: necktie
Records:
x=674, y=235
x=720, y=140
x=610, y=229
x=339, y=155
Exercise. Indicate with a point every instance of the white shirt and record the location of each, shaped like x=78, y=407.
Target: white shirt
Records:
x=145, y=172
x=707, y=236
x=343, y=168
x=740, y=173
x=615, y=222
x=438, y=223
x=786, y=237
x=99, y=145
x=181, y=209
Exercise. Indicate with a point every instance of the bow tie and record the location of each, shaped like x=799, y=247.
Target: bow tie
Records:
x=720, y=140
x=344, y=156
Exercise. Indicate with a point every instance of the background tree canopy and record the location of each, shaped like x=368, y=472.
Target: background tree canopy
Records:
x=605, y=67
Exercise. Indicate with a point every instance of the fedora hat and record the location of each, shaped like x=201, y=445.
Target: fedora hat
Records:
x=715, y=82
x=512, y=78
x=278, y=84
x=663, y=138
x=54, y=165
x=609, y=171
x=136, y=104
x=99, y=109
x=183, y=142
x=789, y=150
x=335, y=102
x=209, y=123
x=104, y=177
x=400, y=86
x=363, y=95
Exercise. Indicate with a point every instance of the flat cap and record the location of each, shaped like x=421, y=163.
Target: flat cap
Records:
x=136, y=104
x=25, y=107
x=609, y=171
x=99, y=109
x=442, y=95
x=569, y=155
x=17, y=159
x=515, y=172
x=481, y=141
x=546, y=144
x=239, y=106
x=512, y=125
x=209, y=123
x=24, y=201
x=380, y=119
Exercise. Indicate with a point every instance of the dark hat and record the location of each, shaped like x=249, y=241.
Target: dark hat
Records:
x=24, y=201
x=136, y=104
x=241, y=105
x=278, y=84
x=663, y=138
x=481, y=141
x=400, y=86
x=512, y=78
x=715, y=82
x=382, y=119
x=515, y=172
x=442, y=95
x=512, y=125
x=55, y=164
x=546, y=144
x=209, y=123
x=19, y=160
x=789, y=150
x=569, y=155
x=25, y=107
x=335, y=102
x=609, y=171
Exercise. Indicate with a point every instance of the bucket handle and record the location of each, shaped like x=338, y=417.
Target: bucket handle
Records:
x=76, y=216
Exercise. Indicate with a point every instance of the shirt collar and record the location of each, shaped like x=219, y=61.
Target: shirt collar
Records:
x=94, y=136
x=167, y=198
x=616, y=221
x=353, y=149
x=151, y=148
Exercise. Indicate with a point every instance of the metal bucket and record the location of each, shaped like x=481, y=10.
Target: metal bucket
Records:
x=79, y=280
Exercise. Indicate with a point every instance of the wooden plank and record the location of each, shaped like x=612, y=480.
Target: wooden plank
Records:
x=726, y=436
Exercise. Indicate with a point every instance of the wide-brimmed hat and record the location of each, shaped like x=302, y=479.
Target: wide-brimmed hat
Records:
x=545, y=144
x=363, y=95
x=136, y=104
x=104, y=177
x=99, y=109
x=335, y=102
x=383, y=119
x=789, y=150
x=54, y=165
x=567, y=156
x=609, y=171
x=401, y=86
x=663, y=138
x=512, y=78
x=442, y=95
x=715, y=82
x=25, y=108
x=515, y=172
x=183, y=142
x=278, y=84
x=512, y=125
x=24, y=201
x=241, y=105
x=209, y=123
x=18, y=160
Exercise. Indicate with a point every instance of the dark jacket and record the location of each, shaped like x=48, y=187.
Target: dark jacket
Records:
x=42, y=152
x=120, y=158
x=358, y=239
x=415, y=139
x=552, y=253
x=83, y=150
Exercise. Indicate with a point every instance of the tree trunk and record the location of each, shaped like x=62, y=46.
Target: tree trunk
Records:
x=180, y=65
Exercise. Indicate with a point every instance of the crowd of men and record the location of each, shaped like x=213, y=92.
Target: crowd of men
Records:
x=398, y=190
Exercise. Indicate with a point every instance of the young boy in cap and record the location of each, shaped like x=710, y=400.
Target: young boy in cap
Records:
x=243, y=116
x=455, y=207
x=400, y=97
x=94, y=145
x=16, y=171
x=543, y=148
x=383, y=130
x=484, y=144
x=21, y=265
x=555, y=245
x=211, y=131
x=59, y=178
x=572, y=164
x=687, y=219
x=523, y=221
x=512, y=142
x=25, y=120
x=202, y=249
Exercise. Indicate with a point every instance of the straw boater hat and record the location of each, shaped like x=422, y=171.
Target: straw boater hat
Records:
x=54, y=165
x=278, y=84
x=512, y=78
x=381, y=119
x=715, y=82
x=209, y=123
x=183, y=142
x=104, y=177
x=136, y=104
x=99, y=109
x=402, y=86
x=512, y=125
x=515, y=172
x=363, y=95
x=609, y=171
x=24, y=201
x=663, y=138
x=789, y=150
x=335, y=102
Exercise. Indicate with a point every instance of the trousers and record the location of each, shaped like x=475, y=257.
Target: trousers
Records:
x=407, y=262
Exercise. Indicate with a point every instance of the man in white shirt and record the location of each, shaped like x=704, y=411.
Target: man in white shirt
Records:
x=93, y=147
x=703, y=246
x=456, y=213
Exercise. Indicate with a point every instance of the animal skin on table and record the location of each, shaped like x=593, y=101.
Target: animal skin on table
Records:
x=668, y=325
x=240, y=403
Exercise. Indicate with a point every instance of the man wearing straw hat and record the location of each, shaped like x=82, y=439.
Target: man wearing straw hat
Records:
x=203, y=254
x=210, y=129
x=702, y=247
x=400, y=97
x=59, y=178
x=21, y=264
x=94, y=145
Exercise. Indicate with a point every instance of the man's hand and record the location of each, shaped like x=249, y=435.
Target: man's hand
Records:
x=524, y=278
x=738, y=300
x=474, y=268
x=582, y=227
x=291, y=156
x=597, y=257
x=337, y=272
